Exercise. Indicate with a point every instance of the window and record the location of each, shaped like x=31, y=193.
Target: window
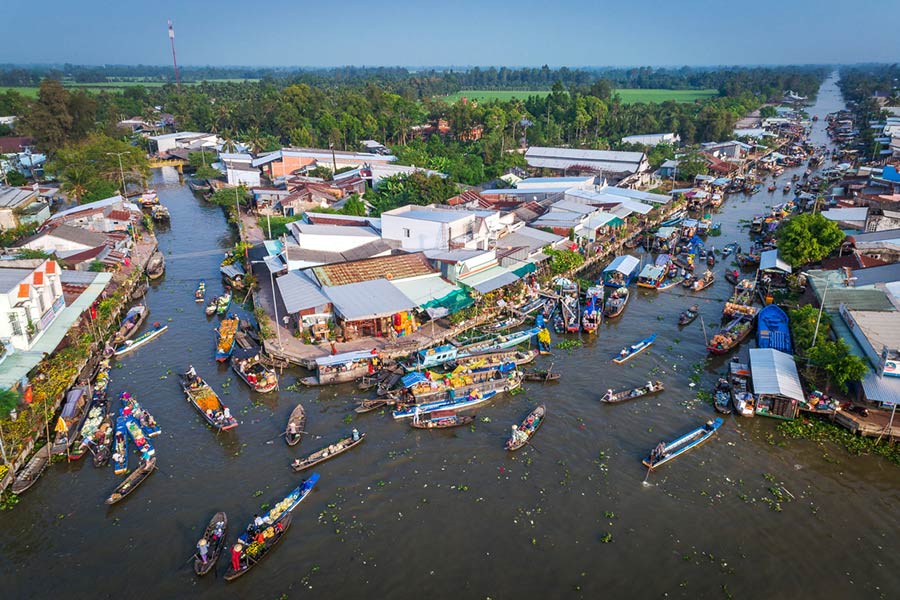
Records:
x=405, y=232
x=14, y=323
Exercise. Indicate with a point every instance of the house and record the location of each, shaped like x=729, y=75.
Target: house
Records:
x=21, y=206
x=14, y=144
x=881, y=245
x=65, y=239
x=731, y=150
x=394, y=267
x=652, y=139
x=668, y=168
x=430, y=228
x=238, y=169
x=286, y=161
x=373, y=147
x=304, y=303
x=184, y=140
x=31, y=296
x=373, y=308
x=535, y=240
x=330, y=238
x=102, y=216
x=848, y=218
x=612, y=164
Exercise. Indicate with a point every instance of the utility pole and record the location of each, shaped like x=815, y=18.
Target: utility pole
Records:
x=333, y=159
x=121, y=170
x=174, y=59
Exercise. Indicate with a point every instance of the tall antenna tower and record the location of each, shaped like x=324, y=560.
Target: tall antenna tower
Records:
x=174, y=59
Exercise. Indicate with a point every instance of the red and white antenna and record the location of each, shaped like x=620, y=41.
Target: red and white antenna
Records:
x=174, y=59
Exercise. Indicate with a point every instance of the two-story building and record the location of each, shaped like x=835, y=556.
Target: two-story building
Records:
x=21, y=206
x=31, y=296
x=429, y=228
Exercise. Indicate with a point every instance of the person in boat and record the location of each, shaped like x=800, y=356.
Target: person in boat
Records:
x=650, y=387
x=623, y=353
x=226, y=414
x=117, y=458
x=658, y=452
x=198, y=382
x=191, y=372
x=236, y=551
x=202, y=549
x=518, y=435
x=356, y=431
x=292, y=429
x=155, y=324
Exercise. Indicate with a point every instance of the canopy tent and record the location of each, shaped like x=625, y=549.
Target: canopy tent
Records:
x=775, y=374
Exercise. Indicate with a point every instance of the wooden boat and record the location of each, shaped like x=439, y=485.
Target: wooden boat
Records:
x=212, y=307
x=418, y=389
x=569, y=308
x=250, y=558
x=722, y=398
x=772, y=187
x=531, y=307
x=132, y=407
x=651, y=276
x=732, y=276
x=689, y=315
x=198, y=186
x=634, y=241
x=748, y=260
x=615, y=304
x=148, y=198
x=442, y=419
x=772, y=329
x=503, y=325
x=140, y=291
x=131, y=482
x=90, y=427
x=674, y=219
x=593, y=309
x=140, y=440
x=491, y=360
x=160, y=213
x=133, y=320
x=255, y=374
x=225, y=343
x=101, y=455
x=542, y=375
x=739, y=385
x=298, y=418
x=667, y=452
x=529, y=426
x=731, y=335
x=147, y=336
x=703, y=282
x=611, y=397
x=214, y=534
x=201, y=395
x=222, y=303
x=74, y=412
x=669, y=283
x=200, y=292
x=631, y=351
x=328, y=452
x=156, y=266
x=28, y=476
x=373, y=404
x=120, y=446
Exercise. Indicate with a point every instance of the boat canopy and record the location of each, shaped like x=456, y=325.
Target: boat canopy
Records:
x=233, y=270
x=651, y=272
x=775, y=374
x=343, y=358
x=72, y=399
x=626, y=265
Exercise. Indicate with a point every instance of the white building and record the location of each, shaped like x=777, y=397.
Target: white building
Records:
x=65, y=239
x=185, y=140
x=330, y=238
x=19, y=206
x=652, y=139
x=30, y=300
x=238, y=169
x=429, y=228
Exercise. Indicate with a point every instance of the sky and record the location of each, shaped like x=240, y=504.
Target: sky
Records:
x=450, y=32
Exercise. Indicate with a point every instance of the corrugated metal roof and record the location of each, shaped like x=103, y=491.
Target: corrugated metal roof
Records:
x=639, y=195
x=490, y=279
x=582, y=154
x=533, y=239
x=769, y=260
x=423, y=290
x=368, y=299
x=881, y=389
x=872, y=275
x=625, y=264
x=343, y=357
x=775, y=373
x=298, y=292
x=233, y=270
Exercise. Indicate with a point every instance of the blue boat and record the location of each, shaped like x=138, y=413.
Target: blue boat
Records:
x=120, y=446
x=674, y=219
x=621, y=271
x=148, y=424
x=635, y=349
x=297, y=495
x=772, y=329
x=150, y=334
x=664, y=452
x=429, y=407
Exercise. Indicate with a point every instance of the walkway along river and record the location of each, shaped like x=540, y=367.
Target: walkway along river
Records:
x=451, y=514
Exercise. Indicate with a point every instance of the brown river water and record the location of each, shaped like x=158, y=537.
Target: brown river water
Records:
x=412, y=514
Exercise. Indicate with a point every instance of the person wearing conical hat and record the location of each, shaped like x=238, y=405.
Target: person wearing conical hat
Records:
x=202, y=548
x=236, y=556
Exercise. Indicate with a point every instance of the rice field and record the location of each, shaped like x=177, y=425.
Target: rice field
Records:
x=109, y=86
x=629, y=96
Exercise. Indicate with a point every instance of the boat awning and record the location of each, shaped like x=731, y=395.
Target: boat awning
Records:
x=625, y=264
x=690, y=223
x=775, y=374
x=343, y=358
x=769, y=261
x=490, y=279
x=651, y=272
x=72, y=399
x=666, y=232
x=722, y=181
x=233, y=270
x=413, y=378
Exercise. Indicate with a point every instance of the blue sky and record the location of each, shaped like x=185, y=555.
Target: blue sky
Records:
x=451, y=32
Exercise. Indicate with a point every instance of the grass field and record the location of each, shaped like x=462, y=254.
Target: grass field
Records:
x=628, y=96
x=110, y=86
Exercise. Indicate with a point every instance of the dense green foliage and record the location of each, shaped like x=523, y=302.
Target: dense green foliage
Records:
x=58, y=116
x=9, y=399
x=690, y=166
x=808, y=238
x=415, y=188
x=832, y=357
x=803, y=327
x=90, y=170
x=821, y=431
x=859, y=84
x=563, y=261
x=16, y=179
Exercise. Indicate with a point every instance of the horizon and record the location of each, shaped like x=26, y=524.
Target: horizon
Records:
x=485, y=33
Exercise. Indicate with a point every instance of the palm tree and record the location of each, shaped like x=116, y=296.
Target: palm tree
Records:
x=75, y=180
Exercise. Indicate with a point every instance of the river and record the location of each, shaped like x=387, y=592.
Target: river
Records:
x=451, y=514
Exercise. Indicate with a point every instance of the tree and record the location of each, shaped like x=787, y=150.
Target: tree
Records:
x=803, y=326
x=354, y=206
x=90, y=170
x=563, y=261
x=49, y=120
x=690, y=166
x=413, y=188
x=834, y=358
x=808, y=238
x=15, y=179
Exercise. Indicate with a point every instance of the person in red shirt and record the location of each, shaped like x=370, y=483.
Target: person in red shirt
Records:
x=236, y=557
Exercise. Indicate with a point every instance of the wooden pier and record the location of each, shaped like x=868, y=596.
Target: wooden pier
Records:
x=875, y=425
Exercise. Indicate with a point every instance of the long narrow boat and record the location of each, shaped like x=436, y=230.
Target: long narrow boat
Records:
x=251, y=555
x=148, y=424
x=225, y=341
x=140, y=440
x=615, y=304
x=441, y=419
x=670, y=282
x=222, y=303
x=703, y=282
x=74, y=412
x=200, y=292
x=503, y=324
x=214, y=537
x=90, y=427
x=369, y=405
x=429, y=407
x=491, y=360
x=523, y=433
x=120, y=446
x=593, y=311
x=147, y=336
x=731, y=335
x=29, y=475
x=202, y=397
x=212, y=307
x=652, y=387
x=292, y=500
x=635, y=349
x=298, y=419
x=131, y=482
x=140, y=291
x=103, y=441
x=328, y=452
x=133, y=320
x=418, y=389
x=739, y=382
x=255, y=374
x=666, y=452
x=541, y=375
x=689, y=315
x=531, y=307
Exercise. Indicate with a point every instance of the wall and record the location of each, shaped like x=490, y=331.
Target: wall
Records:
x=414, y=234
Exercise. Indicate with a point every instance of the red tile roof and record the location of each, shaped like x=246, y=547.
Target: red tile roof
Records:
x=399, y=266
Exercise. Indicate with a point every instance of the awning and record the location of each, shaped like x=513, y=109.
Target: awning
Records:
x=525, y=269
x=233, y=270
x=881, y=389
x=343, y=358
x=490, y=279
x=625, y=264
x=769, y=261
x=775, y=374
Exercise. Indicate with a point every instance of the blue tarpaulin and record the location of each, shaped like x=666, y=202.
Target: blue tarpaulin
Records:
x=413, y=378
